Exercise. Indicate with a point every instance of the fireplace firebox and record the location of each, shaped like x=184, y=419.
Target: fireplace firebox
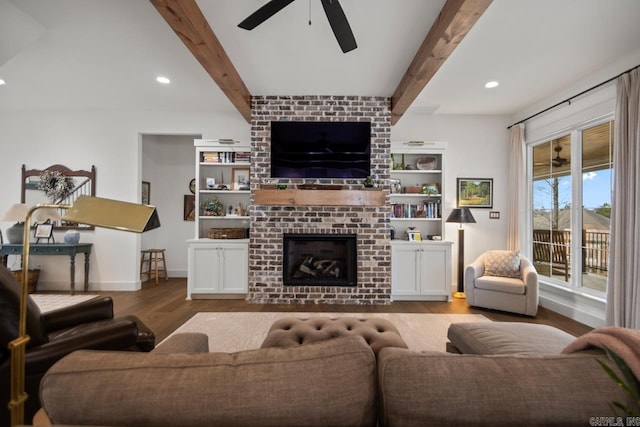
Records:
x=319, y=259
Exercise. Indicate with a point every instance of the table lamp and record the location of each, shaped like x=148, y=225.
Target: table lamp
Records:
x=46, y=214
x=461, y=216
x=17, y=212
x=88, y=210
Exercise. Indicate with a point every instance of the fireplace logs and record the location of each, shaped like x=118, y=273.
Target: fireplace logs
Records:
x=323, y=268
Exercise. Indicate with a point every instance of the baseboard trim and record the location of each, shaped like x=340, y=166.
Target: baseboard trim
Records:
x=93, y=287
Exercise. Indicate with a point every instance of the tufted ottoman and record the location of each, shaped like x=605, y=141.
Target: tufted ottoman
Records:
x=295, y=331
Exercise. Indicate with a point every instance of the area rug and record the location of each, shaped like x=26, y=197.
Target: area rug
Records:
x=230, y=332
x=48, y=302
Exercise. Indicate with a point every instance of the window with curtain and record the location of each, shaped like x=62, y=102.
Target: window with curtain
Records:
x=570, y=185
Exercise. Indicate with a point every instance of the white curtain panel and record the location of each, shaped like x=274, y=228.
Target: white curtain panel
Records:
x=623, y=289
x=517, y=185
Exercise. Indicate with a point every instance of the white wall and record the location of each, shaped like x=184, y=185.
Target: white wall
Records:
x=112, y=142
x=477, y=147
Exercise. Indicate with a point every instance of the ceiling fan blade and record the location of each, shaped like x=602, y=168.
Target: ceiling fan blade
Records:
x=339, y=25
x=264, y=13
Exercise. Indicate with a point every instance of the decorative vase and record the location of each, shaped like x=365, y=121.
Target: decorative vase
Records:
x=71, y=237
x=15, y=233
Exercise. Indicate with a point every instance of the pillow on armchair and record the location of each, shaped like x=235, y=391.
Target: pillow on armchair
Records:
x=502, y=263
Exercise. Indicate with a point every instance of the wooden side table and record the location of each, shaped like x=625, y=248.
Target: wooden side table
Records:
x=55, y=249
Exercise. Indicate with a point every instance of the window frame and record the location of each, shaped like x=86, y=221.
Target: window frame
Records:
x=575, y=133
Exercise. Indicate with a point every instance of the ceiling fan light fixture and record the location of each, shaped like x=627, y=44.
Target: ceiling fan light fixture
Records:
x=163, y=80
x=491, y=84
x=332, y=9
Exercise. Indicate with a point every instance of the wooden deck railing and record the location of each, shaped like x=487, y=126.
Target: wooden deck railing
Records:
x=553, y=248
x=595, y=251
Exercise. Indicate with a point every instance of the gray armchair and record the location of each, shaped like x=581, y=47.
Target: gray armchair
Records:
x=516, y=294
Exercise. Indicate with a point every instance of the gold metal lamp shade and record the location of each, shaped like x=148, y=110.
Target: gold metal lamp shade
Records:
x=114, y=214
x=87, y=210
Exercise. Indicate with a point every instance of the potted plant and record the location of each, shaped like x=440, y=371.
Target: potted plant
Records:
x=212, y=207
x=629, y=383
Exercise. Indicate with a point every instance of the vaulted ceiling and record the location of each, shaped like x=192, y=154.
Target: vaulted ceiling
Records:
x=453, y=23
x=105, y=55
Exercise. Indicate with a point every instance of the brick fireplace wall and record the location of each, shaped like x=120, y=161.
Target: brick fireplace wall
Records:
x=370, y=223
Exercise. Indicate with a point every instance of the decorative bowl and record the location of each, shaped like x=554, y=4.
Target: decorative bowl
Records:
x=427, y=163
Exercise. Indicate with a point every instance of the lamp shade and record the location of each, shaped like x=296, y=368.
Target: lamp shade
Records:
x=461, y=216
x=17, y=212
x=114, y=214
x=44, y=214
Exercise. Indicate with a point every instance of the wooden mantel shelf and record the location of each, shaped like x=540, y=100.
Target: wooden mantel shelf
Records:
x=294, y=197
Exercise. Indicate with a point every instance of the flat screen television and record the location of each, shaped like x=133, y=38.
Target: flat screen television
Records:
x=320, y=149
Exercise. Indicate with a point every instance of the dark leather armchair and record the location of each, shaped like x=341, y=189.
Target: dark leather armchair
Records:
x=88, y=325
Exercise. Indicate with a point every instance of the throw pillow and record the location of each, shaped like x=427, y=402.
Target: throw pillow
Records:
x=502, y=263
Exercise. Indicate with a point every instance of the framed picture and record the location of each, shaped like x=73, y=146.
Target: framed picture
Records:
x=189, y=207
x=43, y=231
x=475, y=193
x=146, y=192
x=395, y=186
x=414, y=236
x=240, y=178
x=431, y=188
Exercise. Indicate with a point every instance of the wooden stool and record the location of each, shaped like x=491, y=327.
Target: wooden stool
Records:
x=153, y=257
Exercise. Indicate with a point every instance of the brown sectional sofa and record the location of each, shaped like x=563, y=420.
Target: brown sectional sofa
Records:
x=337, y=382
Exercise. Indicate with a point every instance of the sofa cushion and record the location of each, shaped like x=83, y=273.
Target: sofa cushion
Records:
x=507, y=285
x=332, y=383
x=502, y=263
x=508, y=338
x=438, y=389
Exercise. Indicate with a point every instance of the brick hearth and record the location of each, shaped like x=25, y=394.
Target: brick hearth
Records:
x=270, y=222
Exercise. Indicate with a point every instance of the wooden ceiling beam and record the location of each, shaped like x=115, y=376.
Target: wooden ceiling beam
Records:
x=456, y=19
x=188, y=22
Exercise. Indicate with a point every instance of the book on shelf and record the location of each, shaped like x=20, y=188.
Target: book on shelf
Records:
x=428, y=209
x=226, y=157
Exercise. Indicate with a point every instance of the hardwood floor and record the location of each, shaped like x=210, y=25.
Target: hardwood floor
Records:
x=163, y=308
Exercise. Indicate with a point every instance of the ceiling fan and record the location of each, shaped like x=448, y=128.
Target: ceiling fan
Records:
x=558, y=161
x=332, y=9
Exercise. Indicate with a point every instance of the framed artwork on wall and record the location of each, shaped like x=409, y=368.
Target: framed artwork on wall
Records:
x=474, y=193
x=146, y=192
x=189, y=209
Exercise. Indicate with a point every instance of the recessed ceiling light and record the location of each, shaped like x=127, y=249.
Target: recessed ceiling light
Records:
x=2, y=82
x=163, y=80
x=491, y=84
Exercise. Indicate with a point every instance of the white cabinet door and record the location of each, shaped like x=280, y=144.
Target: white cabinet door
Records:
x=405, y=274
x=435, y=266
x=203, y=269
x=234, y=263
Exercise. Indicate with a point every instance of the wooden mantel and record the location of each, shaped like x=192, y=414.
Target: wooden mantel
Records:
x=295, y=197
